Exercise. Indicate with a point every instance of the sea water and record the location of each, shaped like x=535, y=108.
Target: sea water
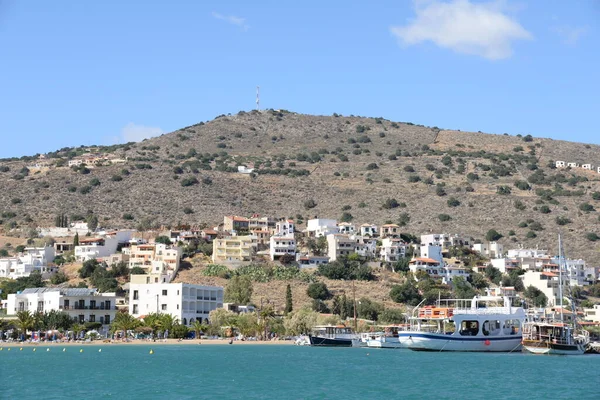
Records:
x=288, y=372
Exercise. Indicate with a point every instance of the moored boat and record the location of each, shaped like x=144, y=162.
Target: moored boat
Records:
x=481, y=324
x=553, y=338
x=388, y=339
x=556, y=338
x=334, y=336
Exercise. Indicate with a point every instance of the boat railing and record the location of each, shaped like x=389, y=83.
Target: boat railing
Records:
x=483, y=311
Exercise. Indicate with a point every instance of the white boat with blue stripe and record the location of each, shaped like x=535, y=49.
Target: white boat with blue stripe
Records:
x=483, y=324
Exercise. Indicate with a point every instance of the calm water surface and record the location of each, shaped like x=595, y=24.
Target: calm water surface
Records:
x=289, y=372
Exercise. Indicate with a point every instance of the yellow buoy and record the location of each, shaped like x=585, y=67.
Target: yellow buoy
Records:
x=1, y=349
x=99, y=350
x=81, y=350
x=33, y=349
x=64, y=349
x=151, y=351
x=9, y=349
x=47, y=349
x=20, y=349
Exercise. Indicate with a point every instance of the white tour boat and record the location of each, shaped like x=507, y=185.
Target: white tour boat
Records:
x=484, y=323
x=334, y=336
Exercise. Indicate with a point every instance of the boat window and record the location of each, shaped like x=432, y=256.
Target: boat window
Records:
x=491, y=328
x=511, y=327
x=469, y=328
x=449, y=328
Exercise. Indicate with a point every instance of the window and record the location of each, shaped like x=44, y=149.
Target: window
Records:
x=136, y=295
x=163, y=307
x=469, y=328
x=81, y=319
x=92, y=318
x=106, y=319
x=135, y=309
x=177, y=292
x=164, y=292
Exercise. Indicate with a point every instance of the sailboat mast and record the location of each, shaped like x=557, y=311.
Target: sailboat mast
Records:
x=560, y=283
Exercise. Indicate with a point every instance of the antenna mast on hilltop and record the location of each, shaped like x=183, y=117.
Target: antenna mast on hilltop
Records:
x=258, y=98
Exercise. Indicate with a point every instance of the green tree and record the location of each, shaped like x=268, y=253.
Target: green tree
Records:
x=124, y=322
x=25, y=321
x=239, y=290
x=406, y=293
x=318, y=291
x=462, y=289
x=76, y=239
x=492, y=235
x=536, y=296
x=288, y=299
x=392, y=316
x=59, y=278
x=300, y=322
x=163, y=239
x=368, y=309
x=402, y=265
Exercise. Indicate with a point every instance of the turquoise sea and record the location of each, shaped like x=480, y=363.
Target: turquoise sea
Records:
x=289, y=372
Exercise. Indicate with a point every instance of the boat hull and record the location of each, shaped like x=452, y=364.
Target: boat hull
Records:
x=536, y=347
x=386, y=343
x=419, y=341
x=332, y=342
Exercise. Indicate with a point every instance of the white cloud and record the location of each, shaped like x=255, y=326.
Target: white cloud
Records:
x=482, y=29
x=570, y=35
x=136, y=133
x=232, y=19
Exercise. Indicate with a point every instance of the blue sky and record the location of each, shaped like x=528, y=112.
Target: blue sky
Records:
x=83, y=72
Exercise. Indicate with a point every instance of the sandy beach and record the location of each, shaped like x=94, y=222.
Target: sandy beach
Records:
x=168, y=342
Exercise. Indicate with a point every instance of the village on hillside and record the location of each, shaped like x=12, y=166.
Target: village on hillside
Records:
x=152, y=260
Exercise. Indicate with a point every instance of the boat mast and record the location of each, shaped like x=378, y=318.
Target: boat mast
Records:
x=560, y=283
x=354, y=297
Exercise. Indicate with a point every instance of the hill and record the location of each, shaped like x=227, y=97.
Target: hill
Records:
x=442, y=180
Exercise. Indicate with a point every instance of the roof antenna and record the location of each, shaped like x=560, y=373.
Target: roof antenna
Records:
x=258, y=98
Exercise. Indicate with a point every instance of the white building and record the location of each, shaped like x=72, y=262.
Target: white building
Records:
x=392, y=250
x=282, y=242
x=321, y=227
x=489, y=249
x=100, y=247
x=532, y=253
x=560, y=164
x=339, y=245
x=592, y=314
x=369, y=230
x=346, y=228
x=432, y=251
x=432, y=267
x=82, y=304
x=546, y=282
x=186, y=302
x=306, y=261
x=32, y=259
x=505, y=265
x=445, y=240
x=160, y=261
x=572, y=165
x=451, y=272
x=587, y=166
x=366, y=246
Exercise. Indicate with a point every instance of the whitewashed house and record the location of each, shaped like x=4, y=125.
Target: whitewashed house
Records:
x=307, y=261
x=369, y=230
x=346, y=228
x=572, y=165
x=560, y=164
x=432, y=267
x=283, y=241
x=433, y=252
x=339, y=245
x=321, y=227
x=451, y=272
x=32, y=259
x=366, y=246
x=184, y=301
x=589, y=167
x=392, y=250
x=547, y=283
x=489, y=249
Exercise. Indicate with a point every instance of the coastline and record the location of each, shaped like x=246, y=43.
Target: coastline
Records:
x=168, y=342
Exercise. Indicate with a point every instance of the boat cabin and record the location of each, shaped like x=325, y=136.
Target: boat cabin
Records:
x=333, y=331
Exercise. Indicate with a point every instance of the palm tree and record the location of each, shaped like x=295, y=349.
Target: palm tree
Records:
x=167, y=322
x=198, y=327
x=124, y=322
x=25, y=321
x=266, y=315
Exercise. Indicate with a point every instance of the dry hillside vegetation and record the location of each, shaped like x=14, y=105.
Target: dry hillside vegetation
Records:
x=443, y=180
